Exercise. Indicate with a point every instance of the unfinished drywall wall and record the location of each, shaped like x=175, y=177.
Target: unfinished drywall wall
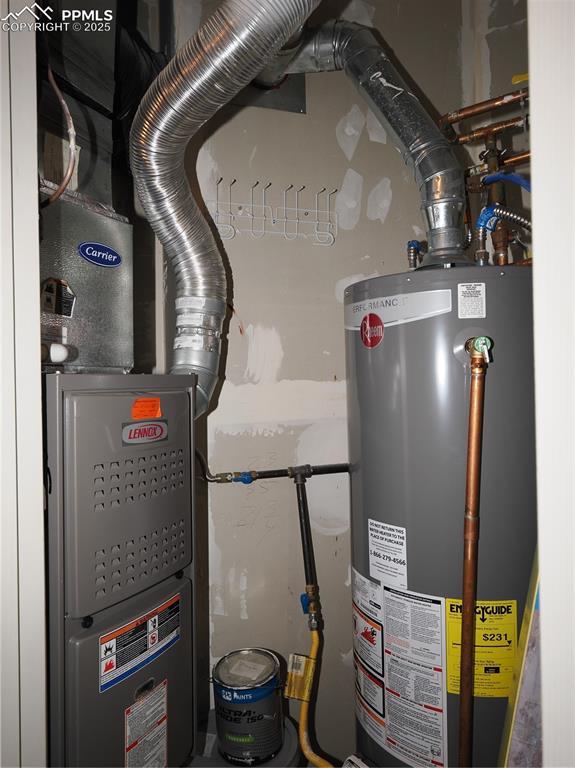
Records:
x=284, y=397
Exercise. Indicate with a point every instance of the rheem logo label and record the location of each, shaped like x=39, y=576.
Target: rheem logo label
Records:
x=144, y=432
x=371, y=330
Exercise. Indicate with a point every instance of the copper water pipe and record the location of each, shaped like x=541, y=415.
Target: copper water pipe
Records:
x=483, y=106
x=478, y=350
x=518, y=159
x=491, y=130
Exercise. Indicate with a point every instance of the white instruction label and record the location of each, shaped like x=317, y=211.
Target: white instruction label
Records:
x=250, y=670
x=147, y=730
x=367, y=595
x=471, y=302
x=415, y=679
x=370, y=687
x=387, y=554
x=371, y=722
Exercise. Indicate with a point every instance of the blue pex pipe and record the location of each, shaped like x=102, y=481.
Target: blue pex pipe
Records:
x=514, y=178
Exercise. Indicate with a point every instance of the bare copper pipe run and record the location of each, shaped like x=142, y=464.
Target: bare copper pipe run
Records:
x=491, y=130
x=71, y=141
x=479, y=362
x=483, y=106
x=507, y=161
x=519, y=159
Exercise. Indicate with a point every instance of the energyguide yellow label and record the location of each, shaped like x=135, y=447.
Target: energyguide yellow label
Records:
x=495, y=646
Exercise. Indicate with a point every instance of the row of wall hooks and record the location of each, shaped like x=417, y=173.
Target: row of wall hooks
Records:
x=257, y=218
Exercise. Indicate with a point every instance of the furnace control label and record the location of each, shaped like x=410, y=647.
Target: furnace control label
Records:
x=495, y=646
x=146, y=729
x=131, y=647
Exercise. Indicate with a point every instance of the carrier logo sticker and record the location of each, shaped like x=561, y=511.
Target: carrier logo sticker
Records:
x=99, y=254
x=144, y=432
x=371, y=330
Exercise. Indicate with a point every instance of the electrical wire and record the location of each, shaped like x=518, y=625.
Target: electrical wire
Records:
x=71, y=141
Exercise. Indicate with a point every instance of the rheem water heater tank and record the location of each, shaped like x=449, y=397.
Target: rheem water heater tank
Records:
x=408, y=402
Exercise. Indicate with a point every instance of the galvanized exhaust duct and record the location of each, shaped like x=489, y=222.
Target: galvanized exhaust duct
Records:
x=344, y=45
x=217, y=62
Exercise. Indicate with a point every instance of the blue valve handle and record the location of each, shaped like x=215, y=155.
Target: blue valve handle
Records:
x=244, y=477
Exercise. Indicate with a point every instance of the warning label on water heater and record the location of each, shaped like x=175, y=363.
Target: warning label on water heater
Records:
x=415, y=690
x=471, y=302
x=495, y=646
x=387, y=553
x=367, y=640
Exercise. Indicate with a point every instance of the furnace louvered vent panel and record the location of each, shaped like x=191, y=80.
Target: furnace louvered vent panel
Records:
x=139, y=561
x=137, y=478
x=128, y=505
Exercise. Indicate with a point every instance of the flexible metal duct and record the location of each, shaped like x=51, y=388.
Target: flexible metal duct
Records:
x=222, y=57
x=344, y=45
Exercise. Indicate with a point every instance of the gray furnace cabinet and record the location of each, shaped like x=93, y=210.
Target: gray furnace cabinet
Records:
x=119, y=515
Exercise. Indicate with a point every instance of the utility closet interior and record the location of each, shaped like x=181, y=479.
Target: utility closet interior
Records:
x=275, y=458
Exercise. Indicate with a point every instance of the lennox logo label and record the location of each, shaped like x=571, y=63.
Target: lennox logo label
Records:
x=144, y=432
x=99, y=254
x=371, y=330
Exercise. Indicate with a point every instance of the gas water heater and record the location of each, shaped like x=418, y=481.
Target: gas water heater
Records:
x=408, y=400
x=119, y=465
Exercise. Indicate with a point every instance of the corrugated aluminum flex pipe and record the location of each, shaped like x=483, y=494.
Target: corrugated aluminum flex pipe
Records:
x=217, y=62
x=344, y=45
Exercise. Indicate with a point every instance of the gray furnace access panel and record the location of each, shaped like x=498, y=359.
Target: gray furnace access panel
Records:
x=119, y=467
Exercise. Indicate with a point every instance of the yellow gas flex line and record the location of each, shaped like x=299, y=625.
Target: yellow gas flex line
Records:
x=304, y=742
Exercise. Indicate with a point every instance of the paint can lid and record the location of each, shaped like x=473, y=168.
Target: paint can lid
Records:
x=246, y=668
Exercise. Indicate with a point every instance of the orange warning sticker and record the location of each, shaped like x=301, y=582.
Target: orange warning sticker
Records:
x=147, y=408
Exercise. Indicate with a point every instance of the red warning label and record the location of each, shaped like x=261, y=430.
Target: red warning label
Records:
x=371, y=330
x=367, y=640
x=131, y=647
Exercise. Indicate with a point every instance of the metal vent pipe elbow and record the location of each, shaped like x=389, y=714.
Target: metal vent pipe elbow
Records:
x=355, y=49
x=224, y=55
